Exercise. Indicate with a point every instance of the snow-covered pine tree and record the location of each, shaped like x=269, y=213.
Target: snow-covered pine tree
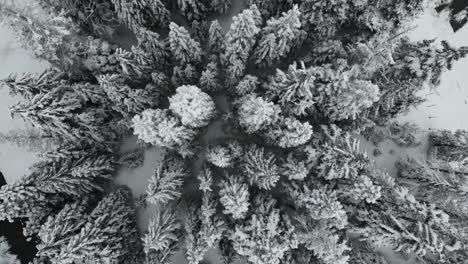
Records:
x=64, y=174
x=409, y=225
x=215, y=38
x=289, y=132
x=320, y=203
x=224, y=155
x=348, y=101
x=126, y=100
x=260, y=167
x=55, y=232
x=248, y=85
x=166, y=183
x=323, y=242
x=183, y=47
x=163, y=238
x=193, y=107
x=234, y=196
x=200, y=31
x=220, y=6
x=29, y=84
x=101, y=20
x=203, y=228
x=151, y=43
x=185, y=75
x=339, y=156
x=239, y=42
x=66, y=115
x=141, y=14
x=86, y=173
x=425, y=60
x=206, y=180
x=161, y=128
x=256, y=114
x=160, y=14
x=271, y=8
x=107, y=233
x=293, y=90
x=448, y=146
x=23, y=199
x=50, y=37
x=228, y=255
x=439, y=182
x=193, y=10
x=279, y=37
x=266, y=235
x=398, y=12
x=209, y=80
x=220, y=156
x=396, y=97
x=324, y=19
x=364, y=189
x=5, y=256
x=294, y=168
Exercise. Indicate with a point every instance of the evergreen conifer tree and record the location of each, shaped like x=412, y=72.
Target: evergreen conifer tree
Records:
x=256, y=113
x=293, y=89
x=220, y=6
x=166, y=183
x=163, y=237
x=193, y=107
x=183, y=47
x=279, y=37
x=215, y=38
x=192, y=10
x=204, y=229
x=107, y=233
x=266, y=235
x=209, y=80
x=5, y=256
x=159, y=127
x=260, y=168
x=234, y=196
x=239, y=42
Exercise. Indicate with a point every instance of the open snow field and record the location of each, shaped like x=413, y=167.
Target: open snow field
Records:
x=446, y=108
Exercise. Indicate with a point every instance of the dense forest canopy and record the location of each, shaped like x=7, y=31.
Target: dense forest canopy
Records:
x=285, y=182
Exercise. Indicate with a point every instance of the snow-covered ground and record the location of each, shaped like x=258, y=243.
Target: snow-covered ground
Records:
x=446, y=108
